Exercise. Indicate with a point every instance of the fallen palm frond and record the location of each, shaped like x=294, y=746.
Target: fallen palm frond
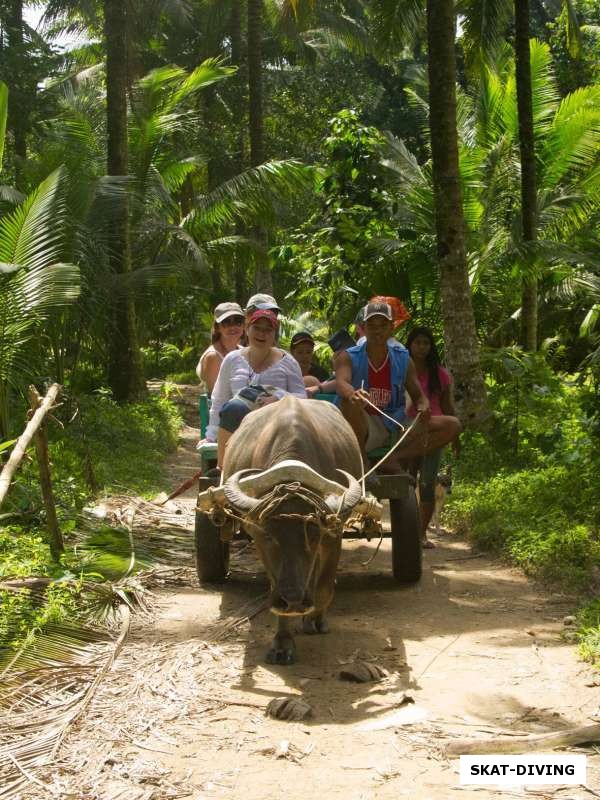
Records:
x=245, y=614
x=48, y=684
x=44, y=690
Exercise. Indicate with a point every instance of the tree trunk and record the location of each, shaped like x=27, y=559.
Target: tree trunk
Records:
x=125, y=372
x=18, y=112
x=238, y=81
x=255, y=108
x=214, y=175
x=528, y=177
x=238, y=84
x=461, y=346
x=262, y=275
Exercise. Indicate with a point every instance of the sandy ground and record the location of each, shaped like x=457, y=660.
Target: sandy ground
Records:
x=473, y=650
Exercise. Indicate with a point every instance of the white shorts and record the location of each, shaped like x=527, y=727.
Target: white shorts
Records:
x=378, y=435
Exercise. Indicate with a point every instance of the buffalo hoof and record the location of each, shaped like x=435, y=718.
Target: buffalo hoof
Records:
x=362, y=672
x=282, y=651
x=290, y=708
x=315, y=625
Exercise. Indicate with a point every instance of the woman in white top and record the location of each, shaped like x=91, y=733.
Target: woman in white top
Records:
x=260, y=364
x=227, y=330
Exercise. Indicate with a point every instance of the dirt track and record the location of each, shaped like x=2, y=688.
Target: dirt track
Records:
x=475, y=647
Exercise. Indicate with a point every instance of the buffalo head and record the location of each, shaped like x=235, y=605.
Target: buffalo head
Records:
x=295, y=531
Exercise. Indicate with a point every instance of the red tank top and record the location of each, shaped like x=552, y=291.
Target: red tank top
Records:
x=380, y=385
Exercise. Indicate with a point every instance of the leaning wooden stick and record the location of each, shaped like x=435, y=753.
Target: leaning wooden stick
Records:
x=55, y=539
x=524, y=744
x=25, y=438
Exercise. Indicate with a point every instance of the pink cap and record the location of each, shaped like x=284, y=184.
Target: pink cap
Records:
x=264, y=313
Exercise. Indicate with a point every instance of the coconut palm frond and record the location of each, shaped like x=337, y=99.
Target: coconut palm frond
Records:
x=31, y=238
x=174, y=173
x=253, y=193
x=386, y=247
x=573, y=144
x=544, y=90
x=29, y=235
x=401, y=161
x=556, y=256
x=395, y=22
x=233, y=244
x=10, y=195
x=44, y=690
x=562, y=214
x=490, y=102
x=339, y=31
x=590, y=321
x=485, y=23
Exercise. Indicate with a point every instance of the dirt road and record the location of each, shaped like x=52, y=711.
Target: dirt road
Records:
x=473, y=650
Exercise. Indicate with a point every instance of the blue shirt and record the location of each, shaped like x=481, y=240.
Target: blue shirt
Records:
x=399, y=357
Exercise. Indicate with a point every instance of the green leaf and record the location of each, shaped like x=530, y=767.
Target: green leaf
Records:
x=3, y=116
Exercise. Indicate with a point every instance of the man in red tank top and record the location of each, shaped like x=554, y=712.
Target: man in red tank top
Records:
x=365, y=420
x=380, y=385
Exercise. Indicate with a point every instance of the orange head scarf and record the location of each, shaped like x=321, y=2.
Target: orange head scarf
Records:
x=401, y=314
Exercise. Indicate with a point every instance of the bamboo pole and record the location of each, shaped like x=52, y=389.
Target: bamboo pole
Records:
x=55, y=539
x=25, y=438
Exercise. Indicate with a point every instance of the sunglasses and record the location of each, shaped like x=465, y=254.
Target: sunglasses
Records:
x=231, y=321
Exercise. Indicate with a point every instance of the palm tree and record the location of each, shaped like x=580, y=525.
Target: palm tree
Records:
x=394, y=21
x=33, y=282
x=125, y=373
x=262, y=276
x=457, y=309
x=174, y=246
x=567, y=139
x=17, y=118
x=528, y=178
x=486, y=28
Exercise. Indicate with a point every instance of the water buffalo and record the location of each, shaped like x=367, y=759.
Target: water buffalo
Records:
x=310, y=443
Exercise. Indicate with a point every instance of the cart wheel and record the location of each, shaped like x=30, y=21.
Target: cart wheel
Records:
x=212, y=555
x=407, y=556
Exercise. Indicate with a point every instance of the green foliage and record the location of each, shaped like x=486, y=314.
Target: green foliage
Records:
x=125, y=444
x=166, y=358
x=121, y=448
x=528, y=487
x=189, y=377
x=33, y=283
x=104, y=446
x=588, y=632
x=584, y=69
x=21, y=612
x=331, y=254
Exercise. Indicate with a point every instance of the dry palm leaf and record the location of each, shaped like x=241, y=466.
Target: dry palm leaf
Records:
x=44, y=690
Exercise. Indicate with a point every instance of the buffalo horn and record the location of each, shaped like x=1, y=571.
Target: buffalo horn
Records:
x=236, y=496
x=352, y=496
